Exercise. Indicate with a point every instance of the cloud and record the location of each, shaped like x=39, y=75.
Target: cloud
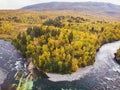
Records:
x=13, y=4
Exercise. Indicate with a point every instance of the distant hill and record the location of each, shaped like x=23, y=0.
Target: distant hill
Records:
x=85, y=7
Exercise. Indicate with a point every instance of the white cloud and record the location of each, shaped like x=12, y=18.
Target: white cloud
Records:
x=15, y=4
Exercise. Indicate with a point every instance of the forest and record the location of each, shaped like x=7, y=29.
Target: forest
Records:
x=55, y=42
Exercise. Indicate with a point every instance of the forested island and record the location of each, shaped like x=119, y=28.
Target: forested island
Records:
x=64, y=44
x=59, y=44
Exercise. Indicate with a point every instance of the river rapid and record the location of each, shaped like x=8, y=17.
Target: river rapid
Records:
x=103, y=75
x=10, y=62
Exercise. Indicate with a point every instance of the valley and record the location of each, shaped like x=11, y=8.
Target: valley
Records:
x=70, y=47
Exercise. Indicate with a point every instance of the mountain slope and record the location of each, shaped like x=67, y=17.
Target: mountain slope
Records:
x=85, y=7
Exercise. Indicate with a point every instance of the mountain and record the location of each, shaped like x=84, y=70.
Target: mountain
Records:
x=85, y=7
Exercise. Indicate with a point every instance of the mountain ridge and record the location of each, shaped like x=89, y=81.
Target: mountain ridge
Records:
x=96, y=8
x=70, y=4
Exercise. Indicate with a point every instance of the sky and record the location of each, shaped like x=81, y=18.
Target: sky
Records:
x=16, y=4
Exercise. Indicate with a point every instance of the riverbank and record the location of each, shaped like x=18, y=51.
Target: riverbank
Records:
x=80, y=73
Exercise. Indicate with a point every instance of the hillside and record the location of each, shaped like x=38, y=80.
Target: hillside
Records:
x=94, y=8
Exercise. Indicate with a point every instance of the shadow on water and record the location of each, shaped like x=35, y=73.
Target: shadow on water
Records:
x=82, y=84
x=8, y=81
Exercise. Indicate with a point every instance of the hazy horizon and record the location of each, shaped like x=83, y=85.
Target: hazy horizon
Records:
x=15, y=4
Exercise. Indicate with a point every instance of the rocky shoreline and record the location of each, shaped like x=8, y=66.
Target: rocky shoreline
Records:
x=117, y=59
x=13, y=78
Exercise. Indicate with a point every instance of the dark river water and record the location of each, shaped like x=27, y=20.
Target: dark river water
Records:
x=103, y=75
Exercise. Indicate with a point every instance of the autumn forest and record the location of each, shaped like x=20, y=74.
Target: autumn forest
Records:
x=59, y=43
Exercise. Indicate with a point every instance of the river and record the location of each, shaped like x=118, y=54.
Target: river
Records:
x=10, y=61
x=103, y=75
